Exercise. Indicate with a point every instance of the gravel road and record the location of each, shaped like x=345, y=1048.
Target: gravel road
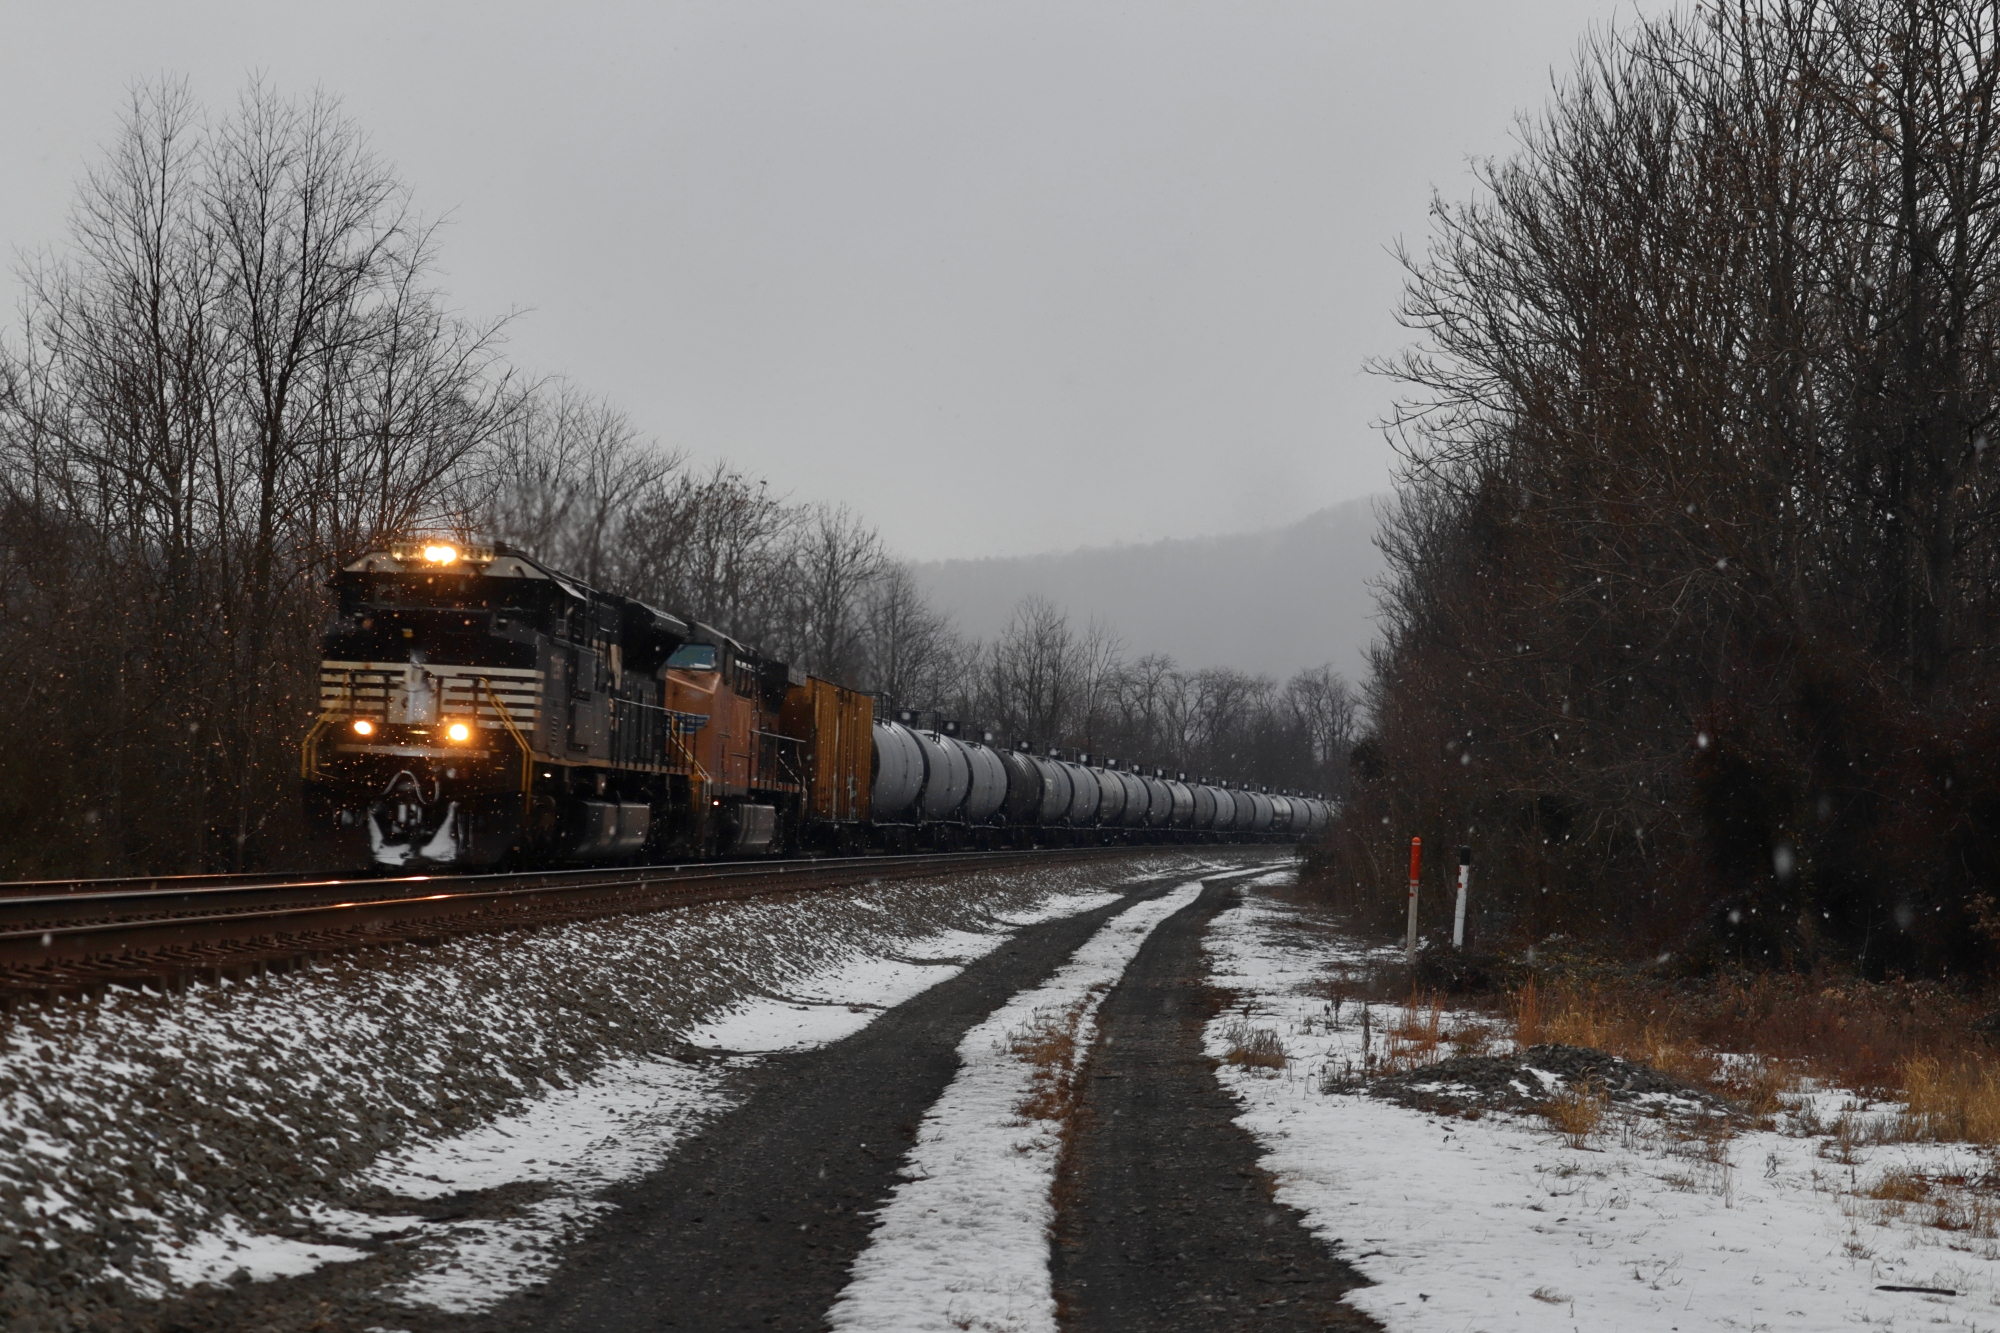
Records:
x=756, y=1223
x=1165, y=1220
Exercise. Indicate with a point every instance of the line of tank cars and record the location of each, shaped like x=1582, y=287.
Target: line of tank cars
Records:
x=477, y=706
x=932, y=776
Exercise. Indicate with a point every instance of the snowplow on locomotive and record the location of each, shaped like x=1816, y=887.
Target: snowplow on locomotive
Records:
x=477, y=706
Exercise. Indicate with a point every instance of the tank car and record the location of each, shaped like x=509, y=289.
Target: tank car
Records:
x=1225, y=811
x=1110, y=799
x=1084, y=798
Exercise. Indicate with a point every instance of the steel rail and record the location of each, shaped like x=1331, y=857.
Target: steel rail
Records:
x=65, y=888
x=65, y=941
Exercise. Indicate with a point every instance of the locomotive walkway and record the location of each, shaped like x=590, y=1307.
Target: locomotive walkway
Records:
x=1168, y=1222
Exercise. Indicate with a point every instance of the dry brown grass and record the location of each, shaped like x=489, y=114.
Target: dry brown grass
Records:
x=1048, y=1043
x=1844, y=1031
x=1948, y=1203
x=1895, y=1041
x=1952, y=1098
x=1577, y=1112
x=1526, y=1011
x=1575, y=1017
x=1470, y=1038
x=1609, y=1020
x=1900, y=1186
x=1415, y=1038
x=1257, y=1048
x=1759, y=1086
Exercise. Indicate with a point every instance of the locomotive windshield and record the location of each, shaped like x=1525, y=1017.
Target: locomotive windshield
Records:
x=692, y=657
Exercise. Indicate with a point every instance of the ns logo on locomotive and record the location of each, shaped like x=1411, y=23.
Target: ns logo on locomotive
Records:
x=478, y=706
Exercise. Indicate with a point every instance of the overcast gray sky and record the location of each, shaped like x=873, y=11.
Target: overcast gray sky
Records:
x=1005, y=277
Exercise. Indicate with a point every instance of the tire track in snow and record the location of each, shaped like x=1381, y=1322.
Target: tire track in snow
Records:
x=964, y=1242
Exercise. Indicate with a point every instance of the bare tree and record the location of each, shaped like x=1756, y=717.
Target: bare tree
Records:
x=1031, y=672
x=236, y=369
x=835, y=559
x=912, y=651
x=1695, y=560
x=572, y=471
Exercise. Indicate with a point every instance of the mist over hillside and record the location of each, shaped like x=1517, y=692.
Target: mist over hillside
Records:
x=1273, y=601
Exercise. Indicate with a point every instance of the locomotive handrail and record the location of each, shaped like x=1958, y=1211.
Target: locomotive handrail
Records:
x=309, y=747
x=781, y=740
x=687, y=752
x=527, y=753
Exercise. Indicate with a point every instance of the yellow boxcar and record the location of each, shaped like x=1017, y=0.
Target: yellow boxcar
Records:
x=838, y=728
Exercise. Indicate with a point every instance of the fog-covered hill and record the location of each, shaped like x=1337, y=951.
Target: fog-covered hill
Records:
x=1272, y=601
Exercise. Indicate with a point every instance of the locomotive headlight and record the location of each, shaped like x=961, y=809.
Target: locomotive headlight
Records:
x=440, y=554
x=363, y=727
x=458, y=731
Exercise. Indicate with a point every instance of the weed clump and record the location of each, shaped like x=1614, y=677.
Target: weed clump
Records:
x=1048, y=1043
x=1255, y=1048
x=1955, y=1099
x=1577, y=1112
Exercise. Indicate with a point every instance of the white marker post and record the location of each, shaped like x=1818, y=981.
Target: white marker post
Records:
x=1416, y=863
x=1464, y=882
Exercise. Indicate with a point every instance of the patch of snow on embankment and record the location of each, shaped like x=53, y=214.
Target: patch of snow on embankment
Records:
x=153, y=1140
x=1497, y=1225
x=629, y=1117
x=840, y=998
x=964, y=1243
x=218, y=1255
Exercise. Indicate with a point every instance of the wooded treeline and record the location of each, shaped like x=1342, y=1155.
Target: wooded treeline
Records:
x=815, y=586
x=1690, y=625
x=1049, y=682
x=238, y=372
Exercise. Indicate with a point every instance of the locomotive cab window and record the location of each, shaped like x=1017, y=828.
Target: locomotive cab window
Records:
x=692, y=657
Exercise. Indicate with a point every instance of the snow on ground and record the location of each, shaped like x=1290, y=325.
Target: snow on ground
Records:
x=1498, y=1225
x=575, y=1144
x=625, y=1120
x=217, y=1255
x=152, y=1140
x=964, y=1243
x=839, y=1000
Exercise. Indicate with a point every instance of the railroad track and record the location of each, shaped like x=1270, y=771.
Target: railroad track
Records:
x=77, y=934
